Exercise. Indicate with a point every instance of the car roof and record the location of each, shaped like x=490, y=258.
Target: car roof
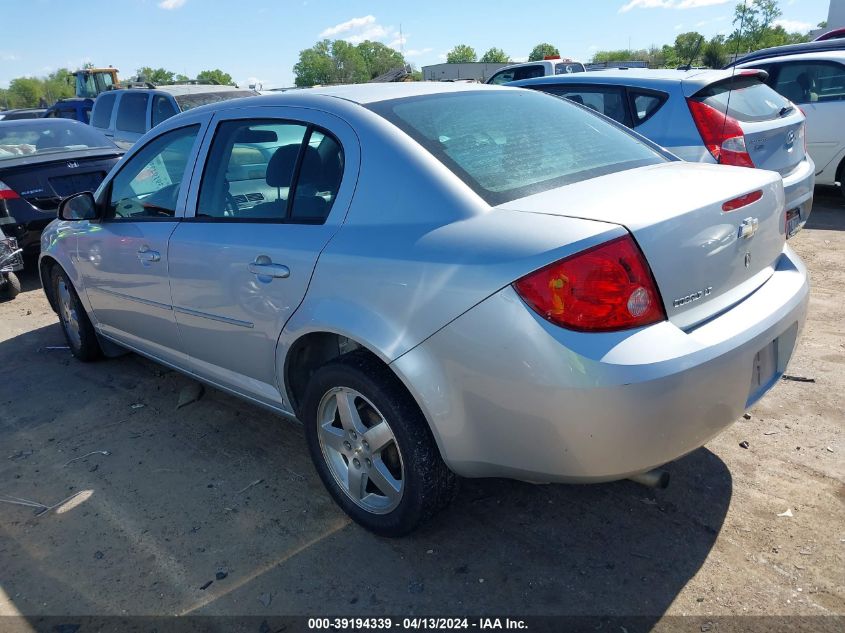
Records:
x=180, y=89
x=790, y=49
x=817, y=55
x=372, y=93
x=692, y=80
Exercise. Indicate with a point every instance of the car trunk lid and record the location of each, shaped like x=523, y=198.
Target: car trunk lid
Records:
x=704, y=259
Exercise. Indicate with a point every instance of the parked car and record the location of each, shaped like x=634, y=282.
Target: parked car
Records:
x=74, y=108
x=834, y=34
x=438, y=279
x=815, y=81
x=22, y=113
x=541, y=68
x=126, y=115
x=41, y=161
x=711, y=116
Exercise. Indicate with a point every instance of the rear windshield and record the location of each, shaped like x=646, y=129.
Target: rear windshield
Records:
x=745, y=99
x=41, y=137
x=507, y=144
x=186, y=102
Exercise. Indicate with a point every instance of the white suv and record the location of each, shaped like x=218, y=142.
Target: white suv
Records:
x=816, y=82
x=540, y=68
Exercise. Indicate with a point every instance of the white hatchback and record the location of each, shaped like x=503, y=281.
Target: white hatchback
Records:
x=816, y=82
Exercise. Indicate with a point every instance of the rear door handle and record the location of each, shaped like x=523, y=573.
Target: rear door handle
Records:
x=145, y=255
x=263, y=266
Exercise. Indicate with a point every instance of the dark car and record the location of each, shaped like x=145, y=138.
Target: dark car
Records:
x=42, y=161
x=74, y=108
x=22, y=113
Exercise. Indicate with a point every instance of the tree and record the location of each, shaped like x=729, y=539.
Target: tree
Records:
x=58, y=85
x=713, y=54
x=378, y=58
x=155, y=75
x=461, y=54
x=688, y=47
x=215, y=76
x=25, y=92
x=349, y=65
x=495, y=56
x=543, y=50
x=315, y=66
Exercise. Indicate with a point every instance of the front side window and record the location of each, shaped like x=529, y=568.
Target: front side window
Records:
x=102, y=110
x=509, y=144
x=502, y=77
x=270, y=170
x=132, y=112
x=811, y=82
x=147, y=187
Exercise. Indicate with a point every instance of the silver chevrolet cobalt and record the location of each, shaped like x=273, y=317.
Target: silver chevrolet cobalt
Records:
x=438, y=280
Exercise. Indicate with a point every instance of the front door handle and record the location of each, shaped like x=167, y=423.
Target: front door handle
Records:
x=264, y=268
x=146, y=256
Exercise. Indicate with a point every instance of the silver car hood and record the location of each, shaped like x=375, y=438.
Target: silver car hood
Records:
x=701, y=262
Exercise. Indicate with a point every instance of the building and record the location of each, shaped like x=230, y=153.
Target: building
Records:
x=479, y=71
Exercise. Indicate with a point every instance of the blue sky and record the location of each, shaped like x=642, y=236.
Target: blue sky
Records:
x=261, y=39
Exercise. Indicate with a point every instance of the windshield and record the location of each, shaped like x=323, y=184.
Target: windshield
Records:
x=186, y=102
x=43, y=137
x=507, y=144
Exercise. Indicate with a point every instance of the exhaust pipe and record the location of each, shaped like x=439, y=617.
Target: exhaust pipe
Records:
x=657, y=478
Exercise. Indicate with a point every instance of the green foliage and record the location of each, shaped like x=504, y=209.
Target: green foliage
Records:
x=32, y=92
x=155, y=75
x=215, y=76
x=461, y=54
x=688, y=47
x=542, y=50
x=339, y=62
x=755, y=27
x=714, y=54
x=495, y=56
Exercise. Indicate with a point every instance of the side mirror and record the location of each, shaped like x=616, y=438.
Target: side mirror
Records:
x=79, y=206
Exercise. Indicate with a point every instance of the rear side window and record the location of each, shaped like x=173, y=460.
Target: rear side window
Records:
x=567, y=68
x=529, y=72
x=502, y=77
x=744, y=98
x=132, y=112
x=608, y=100
x=509, y=144
x=102, y=110
x=645, y=104
x=163, y=109
x=270, y=171
x=811, y=82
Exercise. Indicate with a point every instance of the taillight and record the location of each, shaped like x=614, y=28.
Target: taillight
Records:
x=742, y=201
x=605, y=288
x=802, y=131
x=6, y=192
x=721, y=134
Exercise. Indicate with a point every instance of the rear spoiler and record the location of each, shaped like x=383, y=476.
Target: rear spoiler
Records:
x=744, y=74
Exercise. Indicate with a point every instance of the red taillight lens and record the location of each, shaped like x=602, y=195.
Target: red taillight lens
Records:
x=6, y=192
x=602, y=289
x=742, y=201
x=721, y=134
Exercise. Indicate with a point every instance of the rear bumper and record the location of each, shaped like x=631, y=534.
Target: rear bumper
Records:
x=798, y=188
x=509, y=394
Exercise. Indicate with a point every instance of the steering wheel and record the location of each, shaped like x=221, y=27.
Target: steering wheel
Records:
x=231, y=208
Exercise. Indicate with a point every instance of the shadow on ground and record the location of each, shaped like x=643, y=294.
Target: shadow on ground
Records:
x=224, y=486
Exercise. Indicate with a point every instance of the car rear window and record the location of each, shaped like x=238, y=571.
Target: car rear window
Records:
x=744, y=98
x=509, y=144
x=186, y=102
x=103, y=107
x=43, y=137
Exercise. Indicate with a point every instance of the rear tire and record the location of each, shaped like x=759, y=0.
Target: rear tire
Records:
x=79, y=333
x=11, y=287
x=372, y=446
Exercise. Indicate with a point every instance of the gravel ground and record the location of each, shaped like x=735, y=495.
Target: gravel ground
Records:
x=223, y=486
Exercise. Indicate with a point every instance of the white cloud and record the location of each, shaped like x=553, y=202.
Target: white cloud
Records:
x=366, y=27
x=171, y=4
x=356, y=25
x=8, y=57
x=417, y=52
x=669, y=4
x=795, y=26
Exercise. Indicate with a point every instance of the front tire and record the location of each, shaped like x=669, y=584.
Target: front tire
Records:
x=10, y=288
x=79, y=333
x=372, y=446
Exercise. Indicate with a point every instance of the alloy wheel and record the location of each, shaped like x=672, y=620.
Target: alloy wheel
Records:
x=67, y=311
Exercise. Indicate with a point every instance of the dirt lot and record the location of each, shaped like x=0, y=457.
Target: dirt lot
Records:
x=171, y=502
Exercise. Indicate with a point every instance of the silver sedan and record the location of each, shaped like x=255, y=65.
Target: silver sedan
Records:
x=438, y=280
